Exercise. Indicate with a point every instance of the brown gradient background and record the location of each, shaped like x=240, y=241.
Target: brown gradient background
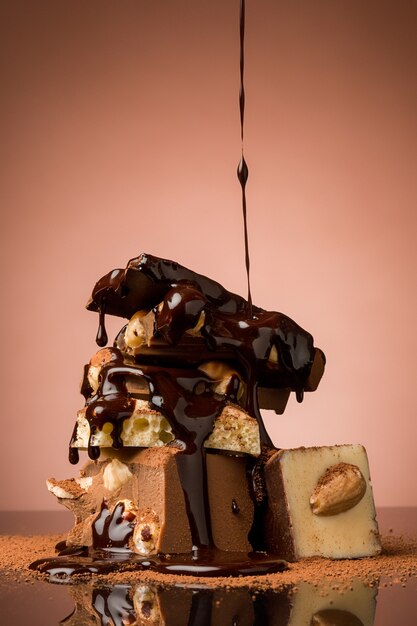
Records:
x=120, y=134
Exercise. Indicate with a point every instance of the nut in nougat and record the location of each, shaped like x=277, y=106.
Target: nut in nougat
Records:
x=115, y=475
x=139, y=330
x=340, y=488
x=146, y=534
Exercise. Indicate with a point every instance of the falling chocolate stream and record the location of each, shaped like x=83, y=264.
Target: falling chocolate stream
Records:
x=242, y=169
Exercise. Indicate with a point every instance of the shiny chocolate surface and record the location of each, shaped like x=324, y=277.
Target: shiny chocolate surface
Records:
x=24, y=600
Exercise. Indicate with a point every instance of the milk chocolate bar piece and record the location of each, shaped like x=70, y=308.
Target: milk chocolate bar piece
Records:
x=148, y=486
x=320, y=503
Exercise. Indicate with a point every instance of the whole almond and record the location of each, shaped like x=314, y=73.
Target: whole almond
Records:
x=340, y=488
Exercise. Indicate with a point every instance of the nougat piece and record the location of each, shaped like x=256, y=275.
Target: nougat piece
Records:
x=234, y=431
x=320, y=503
x=148, y=485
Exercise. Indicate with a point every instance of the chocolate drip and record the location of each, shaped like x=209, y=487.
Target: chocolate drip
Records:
x=191, y=412
x=112, y=530
x=101, y=337
x=186, y=399
x=257, y=491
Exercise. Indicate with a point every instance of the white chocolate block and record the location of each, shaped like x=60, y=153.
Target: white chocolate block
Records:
x=294, y=531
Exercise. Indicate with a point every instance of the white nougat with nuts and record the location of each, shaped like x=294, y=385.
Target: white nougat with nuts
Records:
x=322, y=503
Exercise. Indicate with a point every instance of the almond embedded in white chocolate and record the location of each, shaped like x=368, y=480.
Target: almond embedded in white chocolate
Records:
x=339, y=489
x=293, y=530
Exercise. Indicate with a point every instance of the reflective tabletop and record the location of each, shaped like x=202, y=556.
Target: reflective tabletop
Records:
x=26, y=600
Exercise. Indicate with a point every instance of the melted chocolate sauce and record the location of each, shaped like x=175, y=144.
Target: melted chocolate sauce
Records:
x=101, y=338
x=110, y=553
x=242, y=169
x=242, y=174
x=207, y=564
x=113, y=530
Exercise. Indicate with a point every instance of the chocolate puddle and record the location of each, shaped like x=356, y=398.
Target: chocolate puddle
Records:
x=110, y=553
x=207, y=564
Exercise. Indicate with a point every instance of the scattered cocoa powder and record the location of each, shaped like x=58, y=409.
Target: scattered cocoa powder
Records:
x=396, y=565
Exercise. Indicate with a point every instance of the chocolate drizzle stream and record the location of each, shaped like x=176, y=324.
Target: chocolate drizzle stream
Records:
x=242, y=168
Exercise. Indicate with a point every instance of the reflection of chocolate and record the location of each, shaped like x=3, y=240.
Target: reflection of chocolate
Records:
x=187, y=606
x=173, y=606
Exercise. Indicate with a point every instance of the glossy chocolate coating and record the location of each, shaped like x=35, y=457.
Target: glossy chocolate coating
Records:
x=183, y=394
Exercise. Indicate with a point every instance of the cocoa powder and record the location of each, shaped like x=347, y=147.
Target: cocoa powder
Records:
x=396, y=565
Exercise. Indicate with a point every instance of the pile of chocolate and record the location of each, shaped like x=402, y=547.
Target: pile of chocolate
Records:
x=183, y=476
